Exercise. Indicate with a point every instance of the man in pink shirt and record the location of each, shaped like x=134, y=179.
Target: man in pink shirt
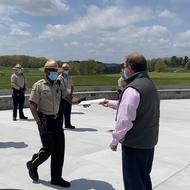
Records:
x=137, y=123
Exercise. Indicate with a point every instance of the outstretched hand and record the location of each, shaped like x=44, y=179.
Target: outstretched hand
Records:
x=104, y=103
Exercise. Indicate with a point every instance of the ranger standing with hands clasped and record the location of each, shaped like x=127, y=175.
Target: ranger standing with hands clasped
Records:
x=18, y=84
x=44, y=104
x=65, y=107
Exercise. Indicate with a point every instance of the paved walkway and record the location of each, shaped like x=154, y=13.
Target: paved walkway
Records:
x=89, y=164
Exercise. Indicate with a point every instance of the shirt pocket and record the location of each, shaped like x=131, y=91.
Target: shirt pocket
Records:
x=46, y=93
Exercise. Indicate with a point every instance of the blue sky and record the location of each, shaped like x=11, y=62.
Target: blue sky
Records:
x=104, y=30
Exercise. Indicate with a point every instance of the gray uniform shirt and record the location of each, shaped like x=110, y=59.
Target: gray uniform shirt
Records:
x=66, y=84
x=46, y=96
x=18, y=80
x=121, y=83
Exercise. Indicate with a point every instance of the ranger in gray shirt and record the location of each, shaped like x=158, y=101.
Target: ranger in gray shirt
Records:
x=44, y=104
x=18, y=84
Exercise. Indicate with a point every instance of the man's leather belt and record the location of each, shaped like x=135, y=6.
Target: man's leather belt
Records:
x=42, y=115
x=51, y=116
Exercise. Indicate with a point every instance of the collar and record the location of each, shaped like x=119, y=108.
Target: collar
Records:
x=137, y=75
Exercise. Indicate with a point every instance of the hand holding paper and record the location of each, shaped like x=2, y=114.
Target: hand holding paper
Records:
x=90, y=102
x=104, y=103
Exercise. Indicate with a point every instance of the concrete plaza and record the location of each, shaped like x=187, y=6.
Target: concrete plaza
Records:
x=89, y=163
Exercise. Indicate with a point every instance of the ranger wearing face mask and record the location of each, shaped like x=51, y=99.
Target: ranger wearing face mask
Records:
x=18, y=84
x=122, y=81
x=65, y=107
x=44, y=104
x=67, y=101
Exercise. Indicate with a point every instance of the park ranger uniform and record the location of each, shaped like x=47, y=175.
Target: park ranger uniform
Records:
x=121, y=84
x=18, y=95
x=47, y=95
x=66, y=106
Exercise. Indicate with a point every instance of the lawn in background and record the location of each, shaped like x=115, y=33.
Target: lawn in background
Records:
x=33, y=75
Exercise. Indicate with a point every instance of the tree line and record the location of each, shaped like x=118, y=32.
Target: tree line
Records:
x=89, y=67
x=85, y=67
x=165, y=64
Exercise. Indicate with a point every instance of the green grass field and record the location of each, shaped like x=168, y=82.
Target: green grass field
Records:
x=33, y=75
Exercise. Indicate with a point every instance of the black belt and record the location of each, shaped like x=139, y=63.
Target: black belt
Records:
x=51, y=116
x=42, y=115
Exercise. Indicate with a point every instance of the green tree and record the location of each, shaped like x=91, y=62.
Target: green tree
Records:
x=176, y=61
x=160, y=66
x=187, y=65
x=151, y=64
x=185, y=60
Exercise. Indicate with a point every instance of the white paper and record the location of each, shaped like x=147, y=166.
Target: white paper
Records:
x=90, y=102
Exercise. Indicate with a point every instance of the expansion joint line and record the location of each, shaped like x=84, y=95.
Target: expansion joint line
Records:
x=172, y=176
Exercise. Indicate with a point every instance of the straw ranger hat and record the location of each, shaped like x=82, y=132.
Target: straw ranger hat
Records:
x=17, y=66
x=65, y=66
x=51, y=64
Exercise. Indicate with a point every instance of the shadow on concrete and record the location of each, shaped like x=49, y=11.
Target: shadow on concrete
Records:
x=77, y=113
x=48, y=184
x=82, y=184
x=88, y=184
x=13, y=145
x=81, y=129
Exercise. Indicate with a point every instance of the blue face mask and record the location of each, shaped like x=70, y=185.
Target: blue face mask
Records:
x=52, y=75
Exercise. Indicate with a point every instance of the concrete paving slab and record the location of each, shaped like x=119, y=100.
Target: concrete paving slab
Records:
x=89, y=164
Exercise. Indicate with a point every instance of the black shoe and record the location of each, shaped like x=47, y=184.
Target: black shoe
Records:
x=23, y=117
x=61, y=182
x=70, y=127
x=33, y=172
x=14, y=119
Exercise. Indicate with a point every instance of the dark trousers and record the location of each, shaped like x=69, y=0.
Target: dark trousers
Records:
x=53, y=144
x=18, y=102
x=137, y=165
x=65, y=112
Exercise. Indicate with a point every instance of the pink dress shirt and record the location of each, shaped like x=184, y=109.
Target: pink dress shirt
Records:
x=126, y=113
